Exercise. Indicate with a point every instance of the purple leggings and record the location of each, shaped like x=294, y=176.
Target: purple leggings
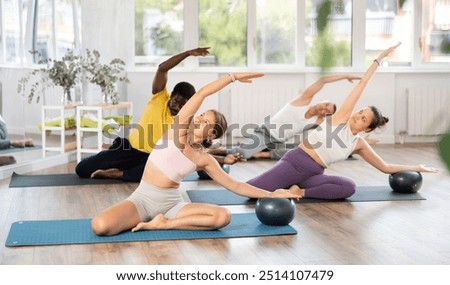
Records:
x=297, y=167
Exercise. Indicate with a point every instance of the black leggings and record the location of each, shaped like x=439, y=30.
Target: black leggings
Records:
x=120, y=155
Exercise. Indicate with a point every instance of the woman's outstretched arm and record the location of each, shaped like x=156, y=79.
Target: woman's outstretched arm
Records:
x=369, y=155
x=211, y=166
x=308, y=94
x=192, y=106
x=346, y=109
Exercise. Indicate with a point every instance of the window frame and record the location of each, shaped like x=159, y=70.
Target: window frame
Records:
x=28, y=29
x=191, y=32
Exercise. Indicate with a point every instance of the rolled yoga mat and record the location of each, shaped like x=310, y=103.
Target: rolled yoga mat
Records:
x=362, y=194
x=58, y=232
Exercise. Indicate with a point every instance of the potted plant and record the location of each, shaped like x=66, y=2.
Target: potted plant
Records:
x=65, y=73
x=105, y=75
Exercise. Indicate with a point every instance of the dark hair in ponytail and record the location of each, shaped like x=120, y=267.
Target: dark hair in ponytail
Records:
x=378, y=119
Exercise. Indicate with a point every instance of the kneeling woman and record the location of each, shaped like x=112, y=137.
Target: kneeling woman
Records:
x=157, y=202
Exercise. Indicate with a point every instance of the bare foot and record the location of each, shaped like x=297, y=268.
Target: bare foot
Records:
x=294, y=189
x=112, y=173
x=22, y=143
x=28, y=142
x=18, y=143
x=6, y=160
x=157, y=223
x=262, y=154
x=232, y=158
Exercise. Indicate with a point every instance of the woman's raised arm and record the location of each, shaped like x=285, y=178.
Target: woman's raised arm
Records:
x=192, y=106
x=344, y=112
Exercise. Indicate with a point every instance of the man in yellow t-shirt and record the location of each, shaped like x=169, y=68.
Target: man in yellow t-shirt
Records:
x=126, y=157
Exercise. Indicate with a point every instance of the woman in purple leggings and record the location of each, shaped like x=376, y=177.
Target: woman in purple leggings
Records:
x=302, y=169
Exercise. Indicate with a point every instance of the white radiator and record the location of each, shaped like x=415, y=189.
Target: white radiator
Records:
x=251, y=103
x=428, y=110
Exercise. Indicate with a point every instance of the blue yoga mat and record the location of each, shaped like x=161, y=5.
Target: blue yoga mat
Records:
x=58, y=232
x=363, y=194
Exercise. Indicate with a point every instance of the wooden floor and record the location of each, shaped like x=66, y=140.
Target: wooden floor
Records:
x=387, y=233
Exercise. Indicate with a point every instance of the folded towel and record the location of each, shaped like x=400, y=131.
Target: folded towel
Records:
x=121, y=120
x=69, y=123
x=108, y=126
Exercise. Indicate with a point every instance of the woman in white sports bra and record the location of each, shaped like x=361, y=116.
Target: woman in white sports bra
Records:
x=157, y=202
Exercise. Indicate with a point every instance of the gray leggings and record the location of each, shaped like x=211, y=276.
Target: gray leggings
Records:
x=260, y=140
x=151, y=200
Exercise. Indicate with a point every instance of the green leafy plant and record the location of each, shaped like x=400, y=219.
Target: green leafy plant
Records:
x=105, y=75
x=65, y=73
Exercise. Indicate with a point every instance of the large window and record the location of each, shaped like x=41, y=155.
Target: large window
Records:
x=66, y=30
x=389, y=21
x=159, y=29
x=276, y=31
x=51, y=27
x=435, y=34
x=223, y=27
x=328, y=37
x=14, y=14
x=43, y=32
x=273, y=34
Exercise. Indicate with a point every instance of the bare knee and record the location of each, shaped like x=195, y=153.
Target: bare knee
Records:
x=222, y=218
x=100, y=227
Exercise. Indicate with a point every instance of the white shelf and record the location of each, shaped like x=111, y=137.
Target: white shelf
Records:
x=63, y=110
x=99, y=111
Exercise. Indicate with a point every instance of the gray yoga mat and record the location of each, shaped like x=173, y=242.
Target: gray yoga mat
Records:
x=17, y=149
x=363, y=194
x=65, y=179
x=58, y=232
x=68, y=179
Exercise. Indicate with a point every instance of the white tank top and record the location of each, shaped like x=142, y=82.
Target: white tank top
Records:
x=332, y=143
x=289, y=121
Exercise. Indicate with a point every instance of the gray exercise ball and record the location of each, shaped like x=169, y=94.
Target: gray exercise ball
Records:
x=275, y=211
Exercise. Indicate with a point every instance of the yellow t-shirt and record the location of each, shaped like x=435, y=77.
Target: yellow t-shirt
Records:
x=154, y=122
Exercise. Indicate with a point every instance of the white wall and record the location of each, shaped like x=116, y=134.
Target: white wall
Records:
x=107, y=26
x=385, y=90
x=429, y=80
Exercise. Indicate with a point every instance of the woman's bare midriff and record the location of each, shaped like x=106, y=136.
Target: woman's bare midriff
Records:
x=312, y=154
